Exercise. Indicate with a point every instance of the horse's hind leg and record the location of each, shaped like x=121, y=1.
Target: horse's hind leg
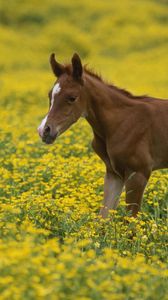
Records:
x=135, y=186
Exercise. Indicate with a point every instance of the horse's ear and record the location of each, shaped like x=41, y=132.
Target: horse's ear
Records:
x=77, y=68
x=57, y=68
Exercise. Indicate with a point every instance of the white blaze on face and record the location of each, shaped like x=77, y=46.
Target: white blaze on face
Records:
x=56, y=90
x=41, y=127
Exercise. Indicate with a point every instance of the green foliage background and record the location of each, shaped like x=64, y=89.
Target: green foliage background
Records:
x=126, y=41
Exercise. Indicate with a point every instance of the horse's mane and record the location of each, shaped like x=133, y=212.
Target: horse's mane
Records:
x=123, y=91
x=97, y=76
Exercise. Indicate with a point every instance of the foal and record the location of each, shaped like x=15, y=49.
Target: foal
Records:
x=130, y=132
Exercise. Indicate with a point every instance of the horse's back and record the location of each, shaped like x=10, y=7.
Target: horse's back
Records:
x=159, y=132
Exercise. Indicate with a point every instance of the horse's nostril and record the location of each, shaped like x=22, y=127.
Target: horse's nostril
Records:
x=47, y=130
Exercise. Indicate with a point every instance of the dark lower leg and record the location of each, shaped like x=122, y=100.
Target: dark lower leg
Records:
x=135, y=186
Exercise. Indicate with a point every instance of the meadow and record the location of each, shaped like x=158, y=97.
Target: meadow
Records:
x=52, y=244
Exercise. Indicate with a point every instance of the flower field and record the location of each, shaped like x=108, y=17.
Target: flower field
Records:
x=53, y=245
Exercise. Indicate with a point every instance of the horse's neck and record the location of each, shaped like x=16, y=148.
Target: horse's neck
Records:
x=105, y=106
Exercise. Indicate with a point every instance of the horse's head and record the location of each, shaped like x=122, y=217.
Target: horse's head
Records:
x=66, y=101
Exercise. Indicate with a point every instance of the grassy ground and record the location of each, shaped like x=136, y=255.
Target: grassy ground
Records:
x=51, y=244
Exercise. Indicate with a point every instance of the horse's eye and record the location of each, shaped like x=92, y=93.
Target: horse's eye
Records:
x=71, y=98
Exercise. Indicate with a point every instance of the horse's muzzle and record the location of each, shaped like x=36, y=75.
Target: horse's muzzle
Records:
x=47, y=136
x=49, y=139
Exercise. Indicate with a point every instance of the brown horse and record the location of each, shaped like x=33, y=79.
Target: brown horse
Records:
x=130, y=132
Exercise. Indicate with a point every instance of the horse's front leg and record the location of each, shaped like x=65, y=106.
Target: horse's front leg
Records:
x=113, y=186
